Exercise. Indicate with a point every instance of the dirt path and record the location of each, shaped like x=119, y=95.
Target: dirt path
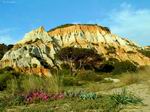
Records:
x=141, y=90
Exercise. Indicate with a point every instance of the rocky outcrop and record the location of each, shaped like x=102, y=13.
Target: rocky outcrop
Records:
x=147, y=48
x=35, y=53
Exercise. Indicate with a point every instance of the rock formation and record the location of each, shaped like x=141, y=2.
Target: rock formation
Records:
x=35, y=53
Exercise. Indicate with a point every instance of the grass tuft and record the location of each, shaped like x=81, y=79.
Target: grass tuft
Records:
x=124, y=98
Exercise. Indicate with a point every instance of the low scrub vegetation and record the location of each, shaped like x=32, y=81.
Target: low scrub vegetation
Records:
x=17, y=82
x=125, y=66
x=4, y=48
x=125, y=97
x=78, y=58
x=64, y=92
x=68, y=25
x=145, y=52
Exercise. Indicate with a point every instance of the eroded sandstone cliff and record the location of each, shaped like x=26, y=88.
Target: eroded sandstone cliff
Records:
x=35, y=52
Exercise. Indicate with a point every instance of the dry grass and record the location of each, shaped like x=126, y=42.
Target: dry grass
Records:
x=32, y=83
x=125, y=79
x=102, y=86
x=130, y=78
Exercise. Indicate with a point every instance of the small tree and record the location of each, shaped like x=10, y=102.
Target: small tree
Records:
x=78, y=58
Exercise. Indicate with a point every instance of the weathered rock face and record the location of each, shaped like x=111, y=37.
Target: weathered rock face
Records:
x=147, y=48
x=35, y=52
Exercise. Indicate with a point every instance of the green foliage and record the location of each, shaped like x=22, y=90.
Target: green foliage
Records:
x=65, y=66
x=71, y=94
x=13, y=86
x=85, y=96
x=114, y=66
x=145, y=52
x=70, y=81
x=124, y=66
x=87, y=75
x=125, y=98
x=61, y=26
x=6, y=70
x=68, y=25
x=4, y=77
x=15, y=82
x=10, y=101
x=78, y=58
x=75, y=101
x=17, y=100
x=75, y=54
x=36, y=83
x=3, y=104
x=38, y=109
x=3, y=49
x=111, y=49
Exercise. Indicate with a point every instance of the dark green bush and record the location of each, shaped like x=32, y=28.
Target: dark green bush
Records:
x=65, y=66
x=4, y=48
x=78, y=58
x=67, y=25
x=86, y=96
x=70, y=81
x=17, y=100
x=111, y=49
x=4, y=77
x=145, y=52
x=73, y=93
x=15, y=83
x=115, y=67
x=125, y=98
x=106, y=68
x=6, y=69
x=87, y=75
x=7, y=74
x=124, y=66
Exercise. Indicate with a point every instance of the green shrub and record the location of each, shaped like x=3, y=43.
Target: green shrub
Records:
x=124, y=66
x=87, y=75
x=9, y=100
x=37, y=109
x=15, y=82
x=4, y=77
x=70, y=81
x=13, y=86
x=78, y=58
x=3, y=49
x=33, y=83
x=3, y=104
x=125, y=98
x=86, y=96
x=64, y=72
x=111, y=49
x=16, y=100
x=73, y=93
x=6, y=70
x=145, y=52
x=68, y=25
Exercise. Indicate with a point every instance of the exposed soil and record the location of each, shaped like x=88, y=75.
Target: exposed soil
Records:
x=141, y=90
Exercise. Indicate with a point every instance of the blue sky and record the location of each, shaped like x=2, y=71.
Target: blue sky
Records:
x=127, y=18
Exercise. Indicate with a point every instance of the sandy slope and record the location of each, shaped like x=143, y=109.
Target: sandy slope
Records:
x=141, y=90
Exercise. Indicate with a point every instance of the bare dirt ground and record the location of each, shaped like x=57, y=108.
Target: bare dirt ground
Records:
x=141, y=90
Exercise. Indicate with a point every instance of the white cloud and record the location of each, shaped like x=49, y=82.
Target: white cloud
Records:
x=7, y=1
x=6, y=39
x=5, y=36
x=132, y=23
